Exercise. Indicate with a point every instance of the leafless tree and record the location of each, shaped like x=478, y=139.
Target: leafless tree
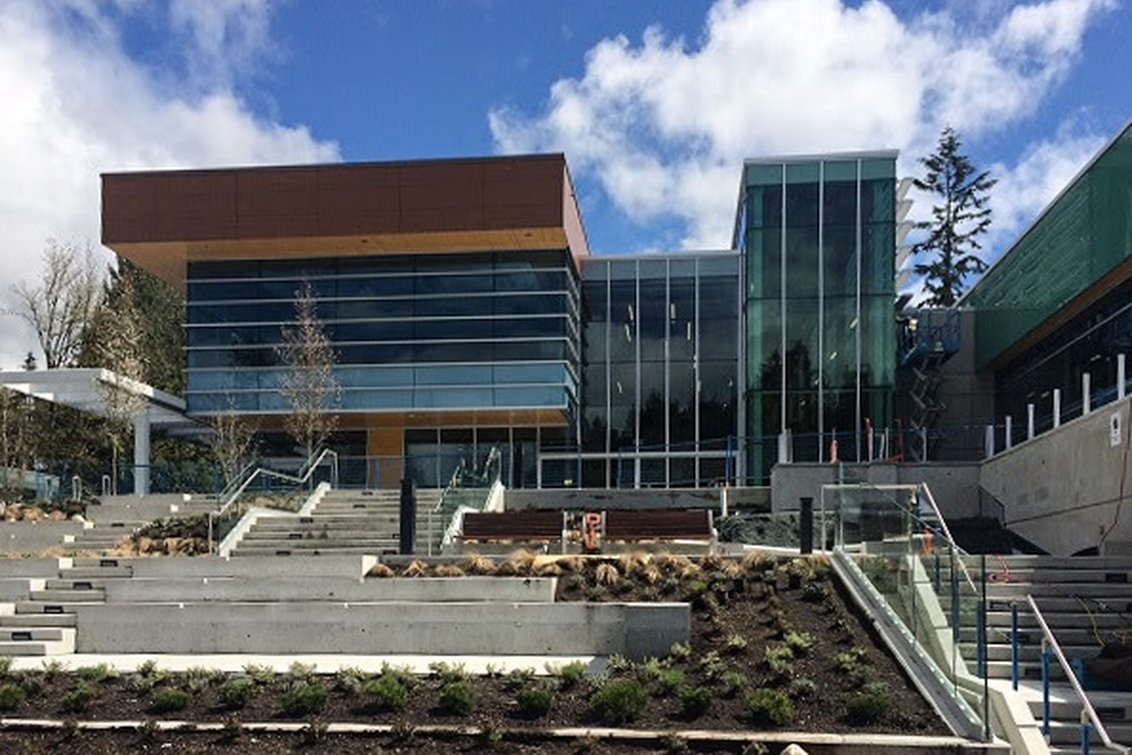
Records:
x=308, y=383
x=119, y=350
x=233, y=440
x=62, y=305
x=17, y=440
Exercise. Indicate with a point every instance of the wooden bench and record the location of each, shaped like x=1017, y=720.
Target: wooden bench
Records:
x=634, y=525
x=515, y=526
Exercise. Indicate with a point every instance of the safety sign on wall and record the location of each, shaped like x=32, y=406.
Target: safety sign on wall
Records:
x=1115, y=429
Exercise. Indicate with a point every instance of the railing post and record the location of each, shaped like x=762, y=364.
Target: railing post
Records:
x=806, y=526
x=1120, y=389
x=1086, y=390
x=1009, y=442
x=988, y=441
x=1045, y=687
x=981, y=642
x=954, y=595
x=936, y=580
x=408, y=516
x=1014, y=645
x=1086, y=730
x=1029, y=421
x=1057, y=407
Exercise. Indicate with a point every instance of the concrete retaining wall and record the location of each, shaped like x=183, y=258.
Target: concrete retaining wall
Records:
x=431, y=590
x=1062, y=489
x=955, y=487
x=634, y=630
x=593, y=499
x=251, y=566
x=33, y=537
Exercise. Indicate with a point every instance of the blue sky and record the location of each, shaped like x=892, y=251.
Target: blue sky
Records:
x=654, y=103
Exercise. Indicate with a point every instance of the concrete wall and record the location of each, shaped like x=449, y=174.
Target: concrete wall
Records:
x=300, y=588
x=955, y=487
x=249, y=566
x=635, y=630
x=592, y=499
x=33, y=537
x=1063, y=488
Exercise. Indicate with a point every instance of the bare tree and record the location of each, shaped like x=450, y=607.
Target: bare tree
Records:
x=233, y=440
x=17, y=440
x=62, y=305
x=119, y=350
x=308, y=382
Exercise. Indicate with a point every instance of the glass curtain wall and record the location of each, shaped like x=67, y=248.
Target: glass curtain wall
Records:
x=468, y=331
x=661, y=369
x=818, y=238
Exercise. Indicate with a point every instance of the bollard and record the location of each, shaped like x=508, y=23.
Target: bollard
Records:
x=408, y=516
x=806, y=527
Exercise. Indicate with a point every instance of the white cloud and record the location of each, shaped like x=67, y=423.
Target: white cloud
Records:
x=663, y=125
x=76, y=105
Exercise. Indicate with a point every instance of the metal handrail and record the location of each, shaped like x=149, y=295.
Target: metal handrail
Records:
x=947, y=534
x=1087, y=708
x=311, y=464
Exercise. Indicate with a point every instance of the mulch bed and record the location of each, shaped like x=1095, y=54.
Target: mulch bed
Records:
x=739, y=610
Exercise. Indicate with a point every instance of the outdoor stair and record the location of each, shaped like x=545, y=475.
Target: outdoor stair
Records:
x=343, y=522
x=103, y=536
x=45, y=623
x=1054, y=583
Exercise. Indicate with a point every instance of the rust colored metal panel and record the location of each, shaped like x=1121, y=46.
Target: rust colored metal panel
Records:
x=188, y=206
x=358, y=200
x=523, y=193
x=572, y=219
x=275, y=203
x=442, y=195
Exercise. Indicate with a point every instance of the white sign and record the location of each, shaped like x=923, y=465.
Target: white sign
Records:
x=1115, y=429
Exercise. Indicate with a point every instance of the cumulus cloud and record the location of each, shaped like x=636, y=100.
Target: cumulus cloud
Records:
x=77, y=104
x=663, y=124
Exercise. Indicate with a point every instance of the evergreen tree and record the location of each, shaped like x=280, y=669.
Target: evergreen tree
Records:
x=960, y=216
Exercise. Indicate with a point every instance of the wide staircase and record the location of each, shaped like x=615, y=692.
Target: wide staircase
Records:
x=1085, y=602
x=344, y=522
x=104, y=537
x=45, y=622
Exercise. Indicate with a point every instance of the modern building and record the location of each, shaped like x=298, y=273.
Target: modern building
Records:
x=818, y=239
x=467, y=313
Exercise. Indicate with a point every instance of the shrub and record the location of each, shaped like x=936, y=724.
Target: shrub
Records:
x=300, y=670
x=385, y=694
x=618, y=664
x=535, y=701
x=712, y=666
x=732, y=682
x=303, y=698
x=799, y=642
x=169, y=700
x=814, y=592
x=619, y=701
x=802, y=688
x=669, y=680
x=11, y=696
x=5, y=665
x=780, y=660
x=850, y=660
x=695, y=701
x=736, y=644
x=448, y=672
x=870, y=704
x=94, y=674
x=571, y=674
x=238, y=692
x=79, y=698
x=457, y=698
x=520, y=677
x=680, y=651
x=260, y=673
x=140, y=684
x=769, y=707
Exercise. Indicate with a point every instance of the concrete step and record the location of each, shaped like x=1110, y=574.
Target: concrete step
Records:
x=1069, y=733
x=40, y=607
x=92, y=583
x=39, y=620
x=361, y=530
x=99, y=562
x=1028, y=653
x=1057, y=562
x=37, y=648
x=304, y=543
x=1101, y=590
x=97, y=572
x=64, y=596
x=34, y=634
x=998, y=576
x=1112, y=707
x=336, y=551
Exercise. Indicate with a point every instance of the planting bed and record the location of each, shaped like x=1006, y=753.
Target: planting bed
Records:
x=775, y=646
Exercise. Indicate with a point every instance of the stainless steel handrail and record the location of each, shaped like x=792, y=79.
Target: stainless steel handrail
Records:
x=312, y=463
x=1087, y=707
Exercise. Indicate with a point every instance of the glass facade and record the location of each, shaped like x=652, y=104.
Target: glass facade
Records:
x=412, y=332
x=818, y=237
x=661, y=369
x=1081, y=236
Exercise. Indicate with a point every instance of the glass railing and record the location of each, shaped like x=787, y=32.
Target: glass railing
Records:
x=936, y=592
x=469, y=489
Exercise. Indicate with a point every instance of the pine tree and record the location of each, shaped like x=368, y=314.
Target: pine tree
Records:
x=958, y=219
